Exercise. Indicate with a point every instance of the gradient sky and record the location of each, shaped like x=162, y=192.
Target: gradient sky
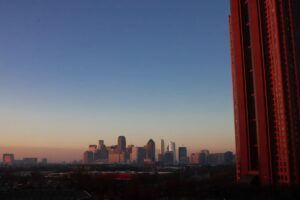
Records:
x=73, y=72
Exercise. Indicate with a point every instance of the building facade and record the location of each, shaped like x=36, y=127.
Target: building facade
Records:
x=122, y=143
x=265, y=56
x=8, y=158
x=195, y=158
x=137, y=155
x=168, y=158
x=172, y=148
x=203, y=157
x=182, y=155
x=30, y=161
x=116, y=157
x=88, y=157
x=150, y=150
x=162, y=146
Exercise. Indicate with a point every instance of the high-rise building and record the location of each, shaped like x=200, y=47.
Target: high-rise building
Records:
x=162, y=146
x=88, y=157
x=93, y=148
x=150, y=150
x=195, y=158
x=168, y=158
x=129, y=152
x=8, y=158
x=101, y=144
x=138, y=155
x=172, y=148
x=182, y=155
x=122, y=143
x=228, y=157
x=215, y=159
x=265, y=56
x=203, y=157
x=101, y=154
x=116, y=157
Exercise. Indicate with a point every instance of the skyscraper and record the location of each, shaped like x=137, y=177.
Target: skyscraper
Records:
x=101, y=154
x=162, y=146
x=265, y=52
x=182, y=155
x=122, y=143
x=150, y=150
x=172, y=148
x=92, y=147
x=203, y=157
x=138, y=155
x=101, y=144
x=88, y=157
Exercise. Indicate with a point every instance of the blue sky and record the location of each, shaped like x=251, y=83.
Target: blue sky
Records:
x=73, y=72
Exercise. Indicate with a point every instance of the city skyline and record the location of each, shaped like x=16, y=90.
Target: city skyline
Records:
x=100, y=69
x=67, y=155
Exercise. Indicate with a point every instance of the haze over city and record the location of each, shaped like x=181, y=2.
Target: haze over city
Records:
x=72, y=73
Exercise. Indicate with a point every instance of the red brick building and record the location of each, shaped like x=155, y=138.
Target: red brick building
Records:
x=265, y=55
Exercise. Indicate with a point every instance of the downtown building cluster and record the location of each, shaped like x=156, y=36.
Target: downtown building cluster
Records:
x=147, y=154
x=120, y=153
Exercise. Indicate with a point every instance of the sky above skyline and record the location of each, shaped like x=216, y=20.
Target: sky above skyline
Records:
x=74, y=72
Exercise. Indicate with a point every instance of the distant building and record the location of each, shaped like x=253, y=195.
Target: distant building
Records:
x=8, y=158
x=195, y=158
x=88, y=157
x=205, y=151
x=18, y=162
x=128, y=152
x=172, y=148
x=203, y=157
x=150, y=150
x=168, y=158
x=138, y=155
x=162, y=146
x=44, y=161
x=182, y=155
x=101, y=144
x=228, y=157
x=116, y=157
x=93, y=148
x=122, y=143
x=160, y=157
x=101, y=154
x=216, y=159
x=30, y=161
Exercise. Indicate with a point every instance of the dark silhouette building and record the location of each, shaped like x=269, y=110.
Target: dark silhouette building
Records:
x=138, y=155
x=203, y=157
x=228, y=157
x=265, y=52
x=101, y=153
x=122, y=143
x=168, y=158
x=182, y=155
x=150, y=150
x=88, y=157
